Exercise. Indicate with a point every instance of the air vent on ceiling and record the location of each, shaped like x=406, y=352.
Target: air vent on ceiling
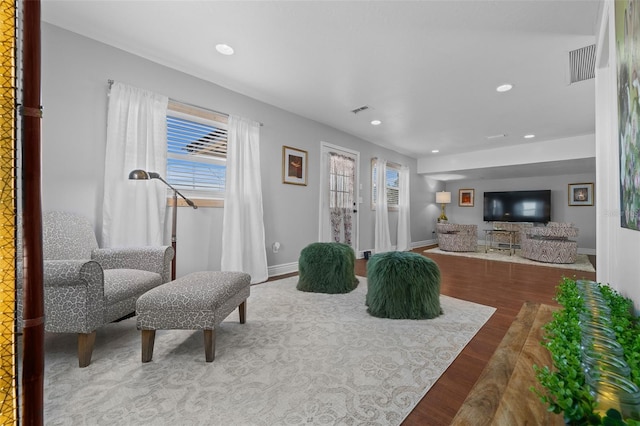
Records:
x=582, y=64
x=501, y=135
x=362, y=108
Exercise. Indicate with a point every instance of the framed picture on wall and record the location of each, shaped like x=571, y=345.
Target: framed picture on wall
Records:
x=465, y=197
x=581, y=194
x=627, y=35
x=294, y=166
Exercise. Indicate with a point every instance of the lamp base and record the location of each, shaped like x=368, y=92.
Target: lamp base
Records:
x=443, y=217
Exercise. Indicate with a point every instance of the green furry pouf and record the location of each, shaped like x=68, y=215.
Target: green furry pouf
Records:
x=327, y=268
x=403, y=285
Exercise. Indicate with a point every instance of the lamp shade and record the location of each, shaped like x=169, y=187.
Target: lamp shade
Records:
x=443, y=197
x=138, y=174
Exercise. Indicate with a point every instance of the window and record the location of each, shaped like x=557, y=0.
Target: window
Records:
x=392, y=182
x=196, y=152
x=341, y=181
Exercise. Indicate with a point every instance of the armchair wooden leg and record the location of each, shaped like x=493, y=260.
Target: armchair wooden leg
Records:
x=209, y=345
x=85, y=348
x=242, y=310
x=148, y=339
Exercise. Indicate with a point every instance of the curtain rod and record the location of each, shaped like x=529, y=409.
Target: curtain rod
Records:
x=110, y=81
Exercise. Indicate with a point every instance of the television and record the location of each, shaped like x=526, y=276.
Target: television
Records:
x=518, y=206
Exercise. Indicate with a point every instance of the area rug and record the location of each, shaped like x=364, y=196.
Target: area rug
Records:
x=582, y=261
x=301, y=358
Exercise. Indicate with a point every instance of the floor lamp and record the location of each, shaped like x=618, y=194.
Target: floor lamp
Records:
x=142, y=175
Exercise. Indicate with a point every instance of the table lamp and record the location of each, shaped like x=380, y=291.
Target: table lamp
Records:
x=443, y=198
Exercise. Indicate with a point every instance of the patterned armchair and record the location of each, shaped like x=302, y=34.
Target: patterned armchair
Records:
x=551, y=243
x=457, y=237
x=85, y=286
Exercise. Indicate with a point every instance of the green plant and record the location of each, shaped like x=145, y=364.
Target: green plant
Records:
x=565, y=390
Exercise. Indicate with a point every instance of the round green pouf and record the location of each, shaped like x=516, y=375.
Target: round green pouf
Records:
x=327, y=268
x=403, y=285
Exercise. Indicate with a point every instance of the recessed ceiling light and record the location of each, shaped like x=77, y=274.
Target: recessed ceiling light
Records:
x=376, y=122
x=435, y=151
x=504, y=87
x=225, y=49
x=529, y=136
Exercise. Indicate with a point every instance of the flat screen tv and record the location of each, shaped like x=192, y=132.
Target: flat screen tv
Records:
x=518, y=206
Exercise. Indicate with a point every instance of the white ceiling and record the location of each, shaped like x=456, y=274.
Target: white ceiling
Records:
x=427, y=69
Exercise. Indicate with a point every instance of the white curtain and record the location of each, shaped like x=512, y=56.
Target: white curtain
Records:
x=341, y=180
x=382, y=236
x=404, y=219
x=134, y=211
x=325, y=233
x=243, y=245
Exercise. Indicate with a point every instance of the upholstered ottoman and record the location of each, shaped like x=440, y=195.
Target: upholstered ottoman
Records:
x=327, y=268
x=198, y=301
x=403, y=285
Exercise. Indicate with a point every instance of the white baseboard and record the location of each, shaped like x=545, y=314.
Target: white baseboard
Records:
x=414, y=244
x=424, y=243
x=285, y=268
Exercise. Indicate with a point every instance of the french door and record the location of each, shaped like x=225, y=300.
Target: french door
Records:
x=339, y=195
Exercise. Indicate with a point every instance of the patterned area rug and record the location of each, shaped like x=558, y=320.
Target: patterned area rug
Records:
x=582, y=261
x=301, y=358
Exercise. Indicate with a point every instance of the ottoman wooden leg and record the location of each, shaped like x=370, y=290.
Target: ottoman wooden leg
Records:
x=242, y=310
x=148, y=338
x=209, y=345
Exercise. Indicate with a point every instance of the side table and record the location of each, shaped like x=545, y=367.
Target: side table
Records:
x=489, y=239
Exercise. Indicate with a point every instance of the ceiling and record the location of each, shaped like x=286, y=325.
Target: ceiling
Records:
x=427, y=69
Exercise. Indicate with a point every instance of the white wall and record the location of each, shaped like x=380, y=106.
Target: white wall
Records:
x=75, y=71
x=584, y=217
x=618, y=248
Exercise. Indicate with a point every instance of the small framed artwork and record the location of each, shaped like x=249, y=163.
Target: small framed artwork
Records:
x=581, y=194
x=294, y=166
x=465, y=197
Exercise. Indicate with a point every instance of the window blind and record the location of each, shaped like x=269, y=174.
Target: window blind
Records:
x=196, y=154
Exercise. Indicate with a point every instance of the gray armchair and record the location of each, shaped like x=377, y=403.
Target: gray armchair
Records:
x=86, y=287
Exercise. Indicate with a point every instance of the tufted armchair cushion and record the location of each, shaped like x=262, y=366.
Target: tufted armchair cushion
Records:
x=86, y=287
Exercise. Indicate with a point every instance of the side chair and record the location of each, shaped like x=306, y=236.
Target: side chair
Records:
x=86, y=287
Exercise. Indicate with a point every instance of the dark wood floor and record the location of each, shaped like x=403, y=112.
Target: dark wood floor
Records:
x=503, y=285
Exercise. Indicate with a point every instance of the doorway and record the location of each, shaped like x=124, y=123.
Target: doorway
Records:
x=339, y=195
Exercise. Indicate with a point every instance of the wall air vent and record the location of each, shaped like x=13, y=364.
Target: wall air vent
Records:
x=582, y=64
x=360, y=109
